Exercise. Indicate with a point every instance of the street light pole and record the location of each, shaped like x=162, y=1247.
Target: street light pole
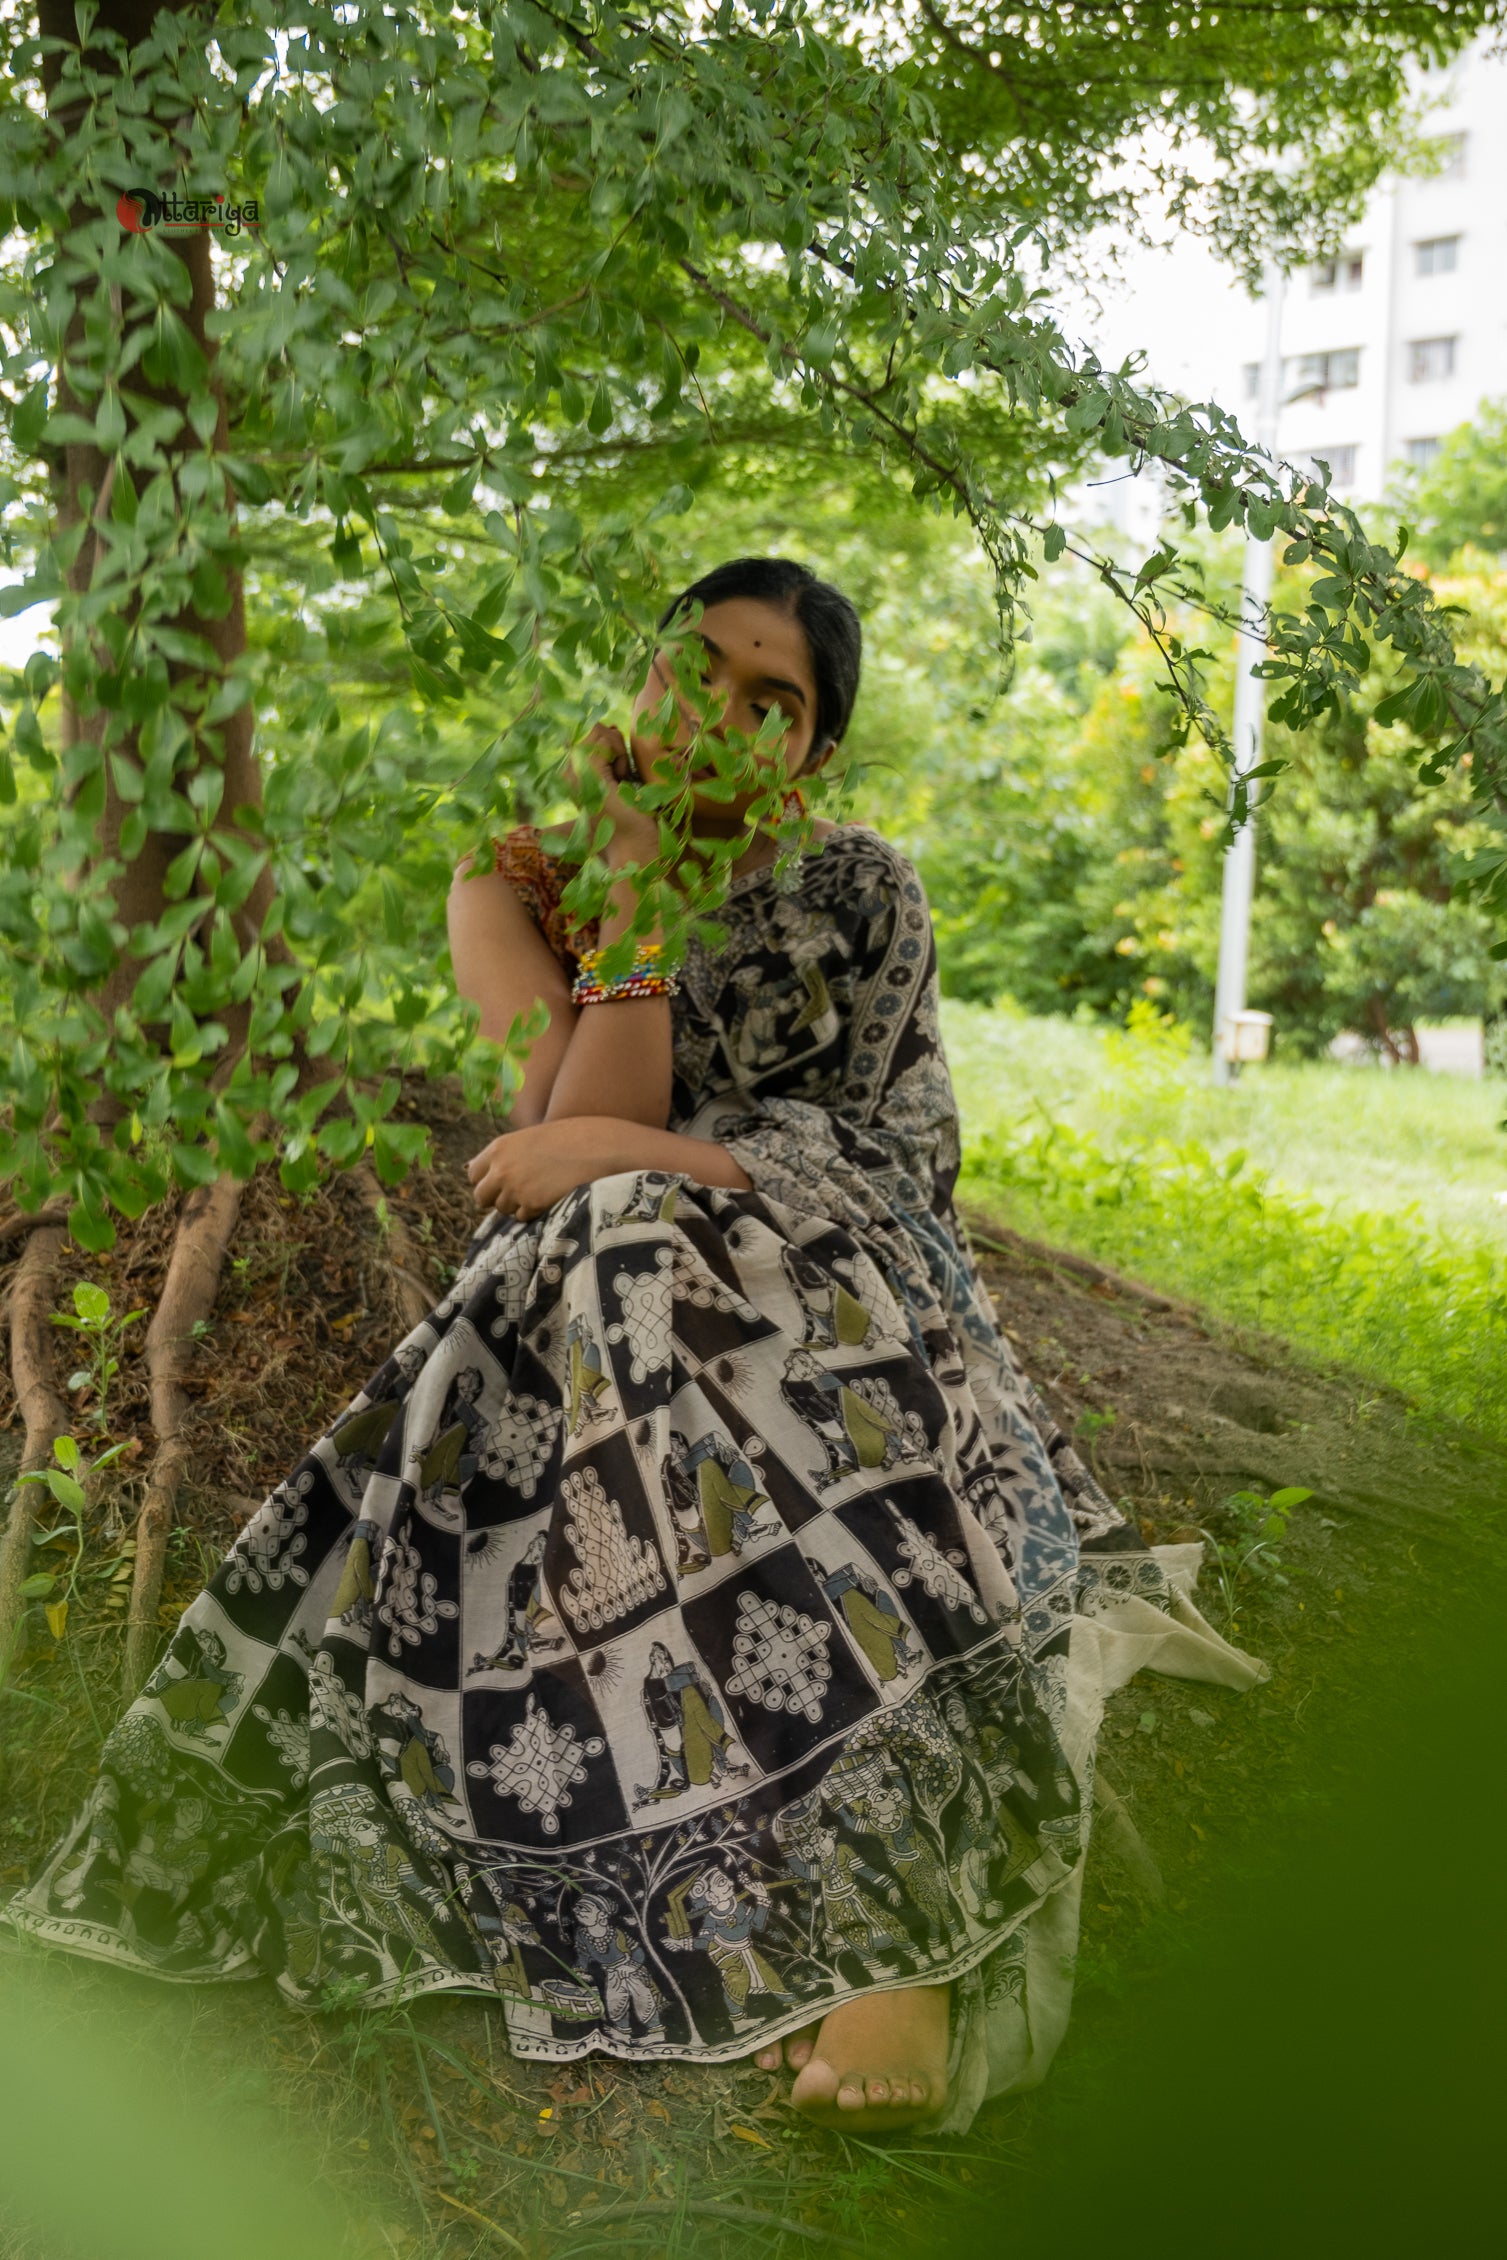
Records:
x=1250, y=717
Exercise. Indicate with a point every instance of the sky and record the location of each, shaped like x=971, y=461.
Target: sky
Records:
x=1176, y=304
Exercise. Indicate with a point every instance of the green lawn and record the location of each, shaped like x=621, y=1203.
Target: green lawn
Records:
x=1347, y=1209
x=1381, y=1140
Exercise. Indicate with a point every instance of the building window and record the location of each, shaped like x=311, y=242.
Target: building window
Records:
x=1430, y=359
x=1451, y=156
x=1440, y=255
x=1322, y=372
x=1420, y=453
x=1347, y=272
x=1341, y=461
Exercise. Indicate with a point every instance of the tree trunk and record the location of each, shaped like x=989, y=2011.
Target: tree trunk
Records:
x=1376, y=1013
x=139, y=890
x=82, y=481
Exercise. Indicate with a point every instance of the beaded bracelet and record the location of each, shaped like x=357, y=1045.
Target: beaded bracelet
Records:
x=643, y=978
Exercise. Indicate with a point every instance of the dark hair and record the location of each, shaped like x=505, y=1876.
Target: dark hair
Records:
x=833, y=635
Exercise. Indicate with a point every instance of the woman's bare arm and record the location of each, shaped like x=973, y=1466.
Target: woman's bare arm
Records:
x=504, y=965
x=618, y=1060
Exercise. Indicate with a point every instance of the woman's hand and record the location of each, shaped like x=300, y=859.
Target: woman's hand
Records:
x=635, y=832
x=524, y=1172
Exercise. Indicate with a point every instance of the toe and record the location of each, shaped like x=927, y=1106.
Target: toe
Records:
x=816, y=2086
x=879, y=2091
x=768, y=2059
x=798, y=2049
x=850, y=2092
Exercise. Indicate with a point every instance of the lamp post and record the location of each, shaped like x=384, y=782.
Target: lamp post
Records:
x=1250, y=719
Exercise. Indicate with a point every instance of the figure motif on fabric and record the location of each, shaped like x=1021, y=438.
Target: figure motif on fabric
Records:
x=872, y=1618
x=689, y=1729
x=455, y=1454
x=715, y=1499
x=834, y=1316
x=531, y=1626
x=711, y=1913
x=588, y=1380
x=195, y=1685
x=629, y=1994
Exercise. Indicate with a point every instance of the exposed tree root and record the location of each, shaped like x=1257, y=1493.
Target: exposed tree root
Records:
x=399, y=1264
x=17, y=1227
x=188, y=1296
x=43, y=1411
x=1001, y=1241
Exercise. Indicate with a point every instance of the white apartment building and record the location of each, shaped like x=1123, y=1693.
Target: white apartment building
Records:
x=1385, y=348
x=1395, y=342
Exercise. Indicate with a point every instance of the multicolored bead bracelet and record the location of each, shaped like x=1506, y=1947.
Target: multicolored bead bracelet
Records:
x=643, y=978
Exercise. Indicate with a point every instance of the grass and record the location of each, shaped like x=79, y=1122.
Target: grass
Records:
x=1250, y=1200
x=1388, y=1141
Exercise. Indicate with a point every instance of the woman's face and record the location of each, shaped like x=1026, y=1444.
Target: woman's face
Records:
x=755, y=661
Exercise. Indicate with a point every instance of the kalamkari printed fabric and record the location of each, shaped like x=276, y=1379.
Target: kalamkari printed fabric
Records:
x=672, y=1640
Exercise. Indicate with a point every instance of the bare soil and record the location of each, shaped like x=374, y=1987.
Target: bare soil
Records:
x=438, y=2138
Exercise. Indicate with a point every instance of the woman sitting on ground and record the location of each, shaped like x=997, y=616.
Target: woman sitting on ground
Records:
x=695, y=1634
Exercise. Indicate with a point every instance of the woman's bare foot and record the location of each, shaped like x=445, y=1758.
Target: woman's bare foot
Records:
x=873, y=2065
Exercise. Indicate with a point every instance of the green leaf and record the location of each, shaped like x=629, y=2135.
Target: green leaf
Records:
x=1156, y=563
x=1293, y=1496
x=236, y=1152
x=1053, y=543
x=91, y=1226
x=67, y=430
x=110, y=421
x=28, y=421
x=456, y=499
x=91, y=1303
x=29, y=741
x=300, y=1173
x=192, y=1165
x=1397, y=706
x=1088, y=411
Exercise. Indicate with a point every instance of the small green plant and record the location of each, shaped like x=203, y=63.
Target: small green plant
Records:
x=1090, y=1427
x=100, y=1335
x=57, y=1588
x=1260, y=1529
x=1152, y=1044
